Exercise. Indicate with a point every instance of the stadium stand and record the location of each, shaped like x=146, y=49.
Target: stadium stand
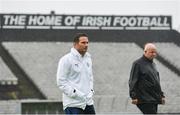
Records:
x=6, y=77
x=35, y=55
x=39, y=61
x=170, y=52
x=112, y=63
x=170, y=82
x=8, y=82
x=10, y=107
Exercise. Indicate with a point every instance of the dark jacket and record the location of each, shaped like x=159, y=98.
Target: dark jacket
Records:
x=144, y=82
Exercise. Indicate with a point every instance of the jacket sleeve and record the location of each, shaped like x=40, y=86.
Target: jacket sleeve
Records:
x=162, y=93
x=91, y=78
x=62, y=80
x=62, y=73
x=133, y=81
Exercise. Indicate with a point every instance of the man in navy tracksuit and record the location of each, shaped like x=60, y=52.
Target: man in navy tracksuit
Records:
x=144, y=82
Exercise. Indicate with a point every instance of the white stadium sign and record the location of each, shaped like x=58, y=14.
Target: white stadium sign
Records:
x=94, y=22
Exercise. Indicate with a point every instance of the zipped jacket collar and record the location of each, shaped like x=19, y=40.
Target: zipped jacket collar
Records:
x=75, y=53
x=148, y=60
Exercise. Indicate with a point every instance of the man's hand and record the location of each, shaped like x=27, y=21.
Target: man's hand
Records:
x=134, y=101
x=163, y=100
x=79, y=95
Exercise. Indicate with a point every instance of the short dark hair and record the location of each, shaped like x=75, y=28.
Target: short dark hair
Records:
x=78, y=35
